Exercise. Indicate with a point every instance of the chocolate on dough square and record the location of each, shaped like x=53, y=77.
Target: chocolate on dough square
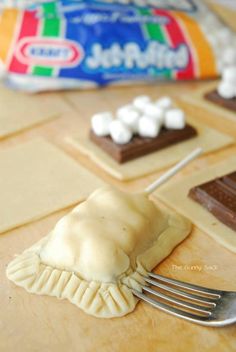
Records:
x=218, y=196
x=206, y=100
x=176, y=195
x=208, y=138
x=214, y=97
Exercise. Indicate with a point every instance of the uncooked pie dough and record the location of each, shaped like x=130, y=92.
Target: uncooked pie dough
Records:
x=37, y=179
x=208, y=138
x=97, y=253
x=176, y=196
x=197, y=100
x=20, y=111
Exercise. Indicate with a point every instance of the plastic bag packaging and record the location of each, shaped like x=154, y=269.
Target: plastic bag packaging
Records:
x=83, y=44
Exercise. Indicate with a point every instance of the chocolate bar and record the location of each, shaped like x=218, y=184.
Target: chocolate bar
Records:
x=140, y=146
x=215, y=98
x=219, y=198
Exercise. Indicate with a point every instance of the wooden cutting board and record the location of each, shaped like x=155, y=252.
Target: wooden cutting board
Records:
x=30, y=323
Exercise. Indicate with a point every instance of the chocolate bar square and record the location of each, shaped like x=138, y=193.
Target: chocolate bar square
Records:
x=140, y=146
x=215, y=98
x=219, y=198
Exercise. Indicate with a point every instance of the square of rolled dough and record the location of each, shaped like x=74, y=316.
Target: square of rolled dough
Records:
x=19, y=111
x=197, y=100
x=209, y=139
x=36, y=179
x=175, y=195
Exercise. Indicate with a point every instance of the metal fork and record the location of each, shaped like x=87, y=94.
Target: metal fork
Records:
x=197, y=304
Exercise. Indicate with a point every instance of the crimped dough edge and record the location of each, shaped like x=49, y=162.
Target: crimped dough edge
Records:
x=103, y=300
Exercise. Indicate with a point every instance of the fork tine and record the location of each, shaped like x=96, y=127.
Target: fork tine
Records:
x=181, y=293
x=185, y=285
x=179, y=302
x=172, y=310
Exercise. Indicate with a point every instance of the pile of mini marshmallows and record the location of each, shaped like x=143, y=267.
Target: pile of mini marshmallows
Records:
x=227, y=87
x=142, y=117
x=222, y=39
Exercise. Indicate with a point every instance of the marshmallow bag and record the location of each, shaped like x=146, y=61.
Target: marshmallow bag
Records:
x=81, y=44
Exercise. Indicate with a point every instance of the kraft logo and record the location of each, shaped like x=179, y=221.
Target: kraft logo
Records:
x=49, y=52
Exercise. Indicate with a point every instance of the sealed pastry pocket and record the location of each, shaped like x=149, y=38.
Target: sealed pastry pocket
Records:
x=98, y=253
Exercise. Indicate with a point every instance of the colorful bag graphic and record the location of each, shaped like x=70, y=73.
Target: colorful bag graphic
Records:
x=68, y=44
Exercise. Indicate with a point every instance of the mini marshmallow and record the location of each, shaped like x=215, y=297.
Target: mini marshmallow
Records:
x=129, y=116
x=212, y=39
x=148, y=127
x=141, y=101
x=226, y=90
x=229, y=75
x=154, y=111
x=175, y=119
x=123, y=109
x=100, y=123
x=210, y=20
x=164, y=103
x=229, y=56
x=119, y=132
x=224, y=35
x=220, y=66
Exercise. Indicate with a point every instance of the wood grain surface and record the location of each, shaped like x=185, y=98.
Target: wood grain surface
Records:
x=30, y=323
